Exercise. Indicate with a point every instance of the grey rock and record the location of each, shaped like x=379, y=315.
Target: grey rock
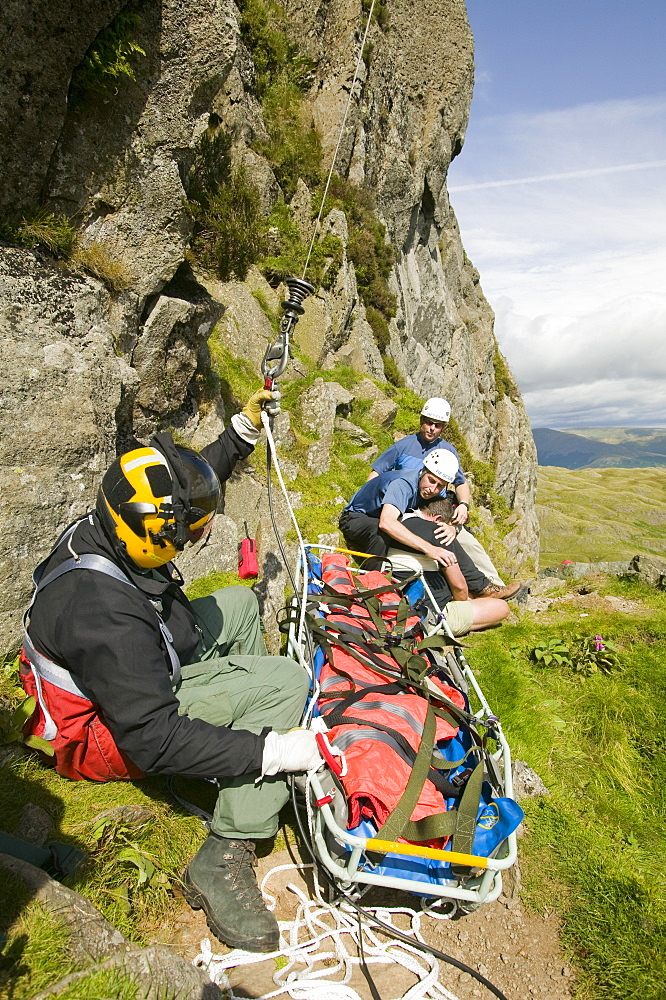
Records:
x=219, y=554
x=578, y=570
x=128, y=815
x=92, y=937
x=40, y=45
x=319, y=406
x=61, y=384
x=282, y=433
x=526, y=782
x=244, y=329
x=650, y=570
x=384, y=412
x=331, y=539
x=367, y=456
x=366, y=389
x=357, y=434
x=117, y=160
x=34, y=825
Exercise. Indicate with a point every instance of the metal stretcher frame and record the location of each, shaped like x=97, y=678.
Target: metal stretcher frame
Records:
x=483, y=884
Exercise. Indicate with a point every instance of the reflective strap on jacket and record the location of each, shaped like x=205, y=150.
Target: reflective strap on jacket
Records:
x=42, y=666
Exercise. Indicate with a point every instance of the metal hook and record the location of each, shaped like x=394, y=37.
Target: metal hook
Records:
x=278, y=352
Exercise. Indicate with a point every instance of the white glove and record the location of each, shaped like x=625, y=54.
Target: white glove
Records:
x=296, y=750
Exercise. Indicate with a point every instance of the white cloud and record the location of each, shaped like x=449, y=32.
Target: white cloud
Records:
x=574, y=265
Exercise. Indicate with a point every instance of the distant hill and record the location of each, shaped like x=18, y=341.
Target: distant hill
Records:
x=602, y=447
x=591, y=515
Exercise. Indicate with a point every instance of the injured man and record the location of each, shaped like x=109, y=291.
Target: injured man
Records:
x=448, y=585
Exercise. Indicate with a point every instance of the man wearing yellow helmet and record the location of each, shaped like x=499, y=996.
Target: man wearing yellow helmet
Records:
x=131, y=678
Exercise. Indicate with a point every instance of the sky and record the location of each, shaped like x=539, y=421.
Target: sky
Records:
x=560, y=192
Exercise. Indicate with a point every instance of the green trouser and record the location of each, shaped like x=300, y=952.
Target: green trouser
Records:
x=234, y=683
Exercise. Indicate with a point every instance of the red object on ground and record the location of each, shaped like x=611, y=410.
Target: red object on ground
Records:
x=248, y=567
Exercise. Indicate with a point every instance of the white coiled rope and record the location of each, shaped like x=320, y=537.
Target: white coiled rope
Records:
x=325, y=935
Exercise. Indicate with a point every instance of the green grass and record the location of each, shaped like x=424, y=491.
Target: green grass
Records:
x=110, y=59
x=596, y=848
x=593, y=515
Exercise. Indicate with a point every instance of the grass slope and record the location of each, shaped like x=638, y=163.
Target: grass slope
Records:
x=592, y=515
x=595, y=848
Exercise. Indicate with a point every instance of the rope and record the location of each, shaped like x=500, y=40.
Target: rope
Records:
x=322, y=934
x=340, y=135
x=301, y=544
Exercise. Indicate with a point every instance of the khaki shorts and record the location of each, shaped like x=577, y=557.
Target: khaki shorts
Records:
x=459, y=616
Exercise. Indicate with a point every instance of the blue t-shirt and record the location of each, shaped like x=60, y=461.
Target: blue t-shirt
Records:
x=399, y=487
x=409, y=454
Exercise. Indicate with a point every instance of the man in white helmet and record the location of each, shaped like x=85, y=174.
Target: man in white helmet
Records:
x=410, y=452
x=371, y=522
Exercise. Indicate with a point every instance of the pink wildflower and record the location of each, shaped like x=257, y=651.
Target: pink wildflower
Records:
x=599, y=645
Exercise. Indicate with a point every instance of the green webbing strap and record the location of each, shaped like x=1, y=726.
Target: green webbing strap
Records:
x=443, y=642
x=467, y=810
x=399, y=818
x=414, y=667
x=368, y=659
x=459, y=822
x=373, y=605
x=442, y=764
x=431, y=827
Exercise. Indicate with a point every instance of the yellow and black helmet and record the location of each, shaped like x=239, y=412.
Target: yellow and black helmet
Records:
x=154, y=500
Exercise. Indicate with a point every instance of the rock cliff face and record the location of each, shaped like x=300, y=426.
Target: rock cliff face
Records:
x=87, y=368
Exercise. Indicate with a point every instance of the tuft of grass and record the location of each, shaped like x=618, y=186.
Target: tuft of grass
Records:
x=504, y=384
x=97, y=260
x=41, y=230
x=380, y=14
x=36, y=952
x=263, y=31
x=238, y=378
x=294, y=143
x=290, y=252
x=228, y=228
x=206, y=585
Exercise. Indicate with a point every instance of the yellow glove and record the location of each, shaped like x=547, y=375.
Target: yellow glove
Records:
x=255, y=405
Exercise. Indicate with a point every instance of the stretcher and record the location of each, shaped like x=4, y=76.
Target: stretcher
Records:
x=417, y=791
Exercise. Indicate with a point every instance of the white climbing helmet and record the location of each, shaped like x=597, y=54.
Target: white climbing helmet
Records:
x=442, y=463
x=437, y=409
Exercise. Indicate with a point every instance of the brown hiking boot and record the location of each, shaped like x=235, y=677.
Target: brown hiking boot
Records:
x=505, y=593
x=220, y=881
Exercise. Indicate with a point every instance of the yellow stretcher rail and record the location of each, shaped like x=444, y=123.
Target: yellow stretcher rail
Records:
x=350, y=552
x=453, y=857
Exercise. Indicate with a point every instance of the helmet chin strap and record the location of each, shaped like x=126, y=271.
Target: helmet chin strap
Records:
x=180, y=507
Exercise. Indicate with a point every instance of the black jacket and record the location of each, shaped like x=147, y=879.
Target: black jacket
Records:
x=107, y=635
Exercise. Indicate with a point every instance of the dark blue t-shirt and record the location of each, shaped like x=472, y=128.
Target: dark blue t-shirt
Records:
x=399, y=487
x=409, y=454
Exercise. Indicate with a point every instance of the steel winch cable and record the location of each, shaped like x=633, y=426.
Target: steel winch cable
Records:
x=279, y=352
x=341, y=132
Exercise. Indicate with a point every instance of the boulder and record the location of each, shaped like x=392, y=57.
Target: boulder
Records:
x=649, y=569
x=357, y=434
x=319, y=406
x=384, y=412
